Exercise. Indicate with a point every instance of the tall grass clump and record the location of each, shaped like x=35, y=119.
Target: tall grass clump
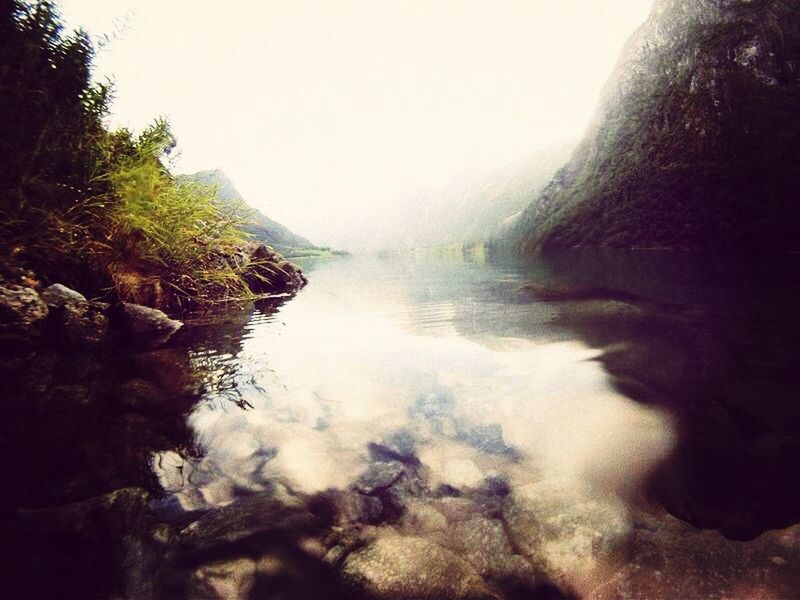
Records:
x=98, y=209
x=173, y=230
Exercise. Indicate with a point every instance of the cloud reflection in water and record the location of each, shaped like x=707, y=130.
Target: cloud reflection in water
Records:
x=338, y=368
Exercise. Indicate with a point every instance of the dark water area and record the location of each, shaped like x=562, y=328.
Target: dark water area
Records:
x=592, y=424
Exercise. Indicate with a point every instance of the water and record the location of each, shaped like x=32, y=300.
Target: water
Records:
x=599, y=424
x=639, y=385
x=376, y=349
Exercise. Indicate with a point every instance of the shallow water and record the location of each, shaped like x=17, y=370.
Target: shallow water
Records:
x=374, y=350
x=638, y=386
x=592, y=424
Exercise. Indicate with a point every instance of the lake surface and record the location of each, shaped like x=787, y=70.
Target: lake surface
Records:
x=589, y=388
x=438, y=354
x=590, y=424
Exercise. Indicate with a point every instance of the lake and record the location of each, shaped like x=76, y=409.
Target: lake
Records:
x=592, y=424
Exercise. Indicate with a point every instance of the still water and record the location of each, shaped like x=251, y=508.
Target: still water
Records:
x=436, y=354
x=593, y=391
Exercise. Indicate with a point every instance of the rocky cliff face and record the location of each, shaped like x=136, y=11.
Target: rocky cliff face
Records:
x=696, y=143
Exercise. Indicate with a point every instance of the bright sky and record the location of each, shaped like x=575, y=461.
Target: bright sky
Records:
x=319, y=108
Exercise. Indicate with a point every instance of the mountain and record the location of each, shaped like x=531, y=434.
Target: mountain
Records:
x=696, y=142
x=480, y=206
x=260, y=226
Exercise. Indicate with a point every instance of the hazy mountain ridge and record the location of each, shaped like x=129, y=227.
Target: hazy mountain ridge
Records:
x=696, y=142
x=476, y=208
x=260, y=226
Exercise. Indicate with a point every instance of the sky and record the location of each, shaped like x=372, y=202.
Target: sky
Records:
x=320, y=110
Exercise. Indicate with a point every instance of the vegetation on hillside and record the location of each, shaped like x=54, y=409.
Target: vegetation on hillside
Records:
x=93, y=208
x=254, y=222
x=699, y=149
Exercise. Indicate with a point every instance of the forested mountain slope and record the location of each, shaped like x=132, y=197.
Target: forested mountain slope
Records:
x=696, y=142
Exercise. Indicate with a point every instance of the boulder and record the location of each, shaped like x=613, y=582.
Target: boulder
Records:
x=58, y=295
x=21, y=310
x=147, y=327
x=267, y=272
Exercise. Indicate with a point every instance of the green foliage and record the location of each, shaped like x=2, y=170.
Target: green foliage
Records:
x=51, y=114
x=92, y=208
x=170, y=226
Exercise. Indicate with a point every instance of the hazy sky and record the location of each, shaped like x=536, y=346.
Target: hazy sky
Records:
x=319, y=108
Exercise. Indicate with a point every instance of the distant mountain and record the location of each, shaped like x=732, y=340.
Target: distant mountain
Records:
x=478, y=207
x=696, y=143
x=258, y=224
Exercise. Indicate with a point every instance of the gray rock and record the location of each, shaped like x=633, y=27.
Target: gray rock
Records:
x=422, y=518
x=399, y=445
x=358, y=508
x=378, y=477
x=58, y=295
x=488, y=438
x=148, y=327
x=436, y=403
x=406, y=567
x=21, y=310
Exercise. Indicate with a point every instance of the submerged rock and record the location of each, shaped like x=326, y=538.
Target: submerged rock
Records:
x=404, y=567
x=250, y=518
x=83, y=324
x=148, y=327
x=399, y=445
x=357, y=508
x=564, y=531
x=378, y=477
x=483, y=543
x=488, y=438
x=223, y=580
x=169, y=369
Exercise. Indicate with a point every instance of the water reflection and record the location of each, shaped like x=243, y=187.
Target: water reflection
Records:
x=373, y=350
x=715, y=341
x=536, y=410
